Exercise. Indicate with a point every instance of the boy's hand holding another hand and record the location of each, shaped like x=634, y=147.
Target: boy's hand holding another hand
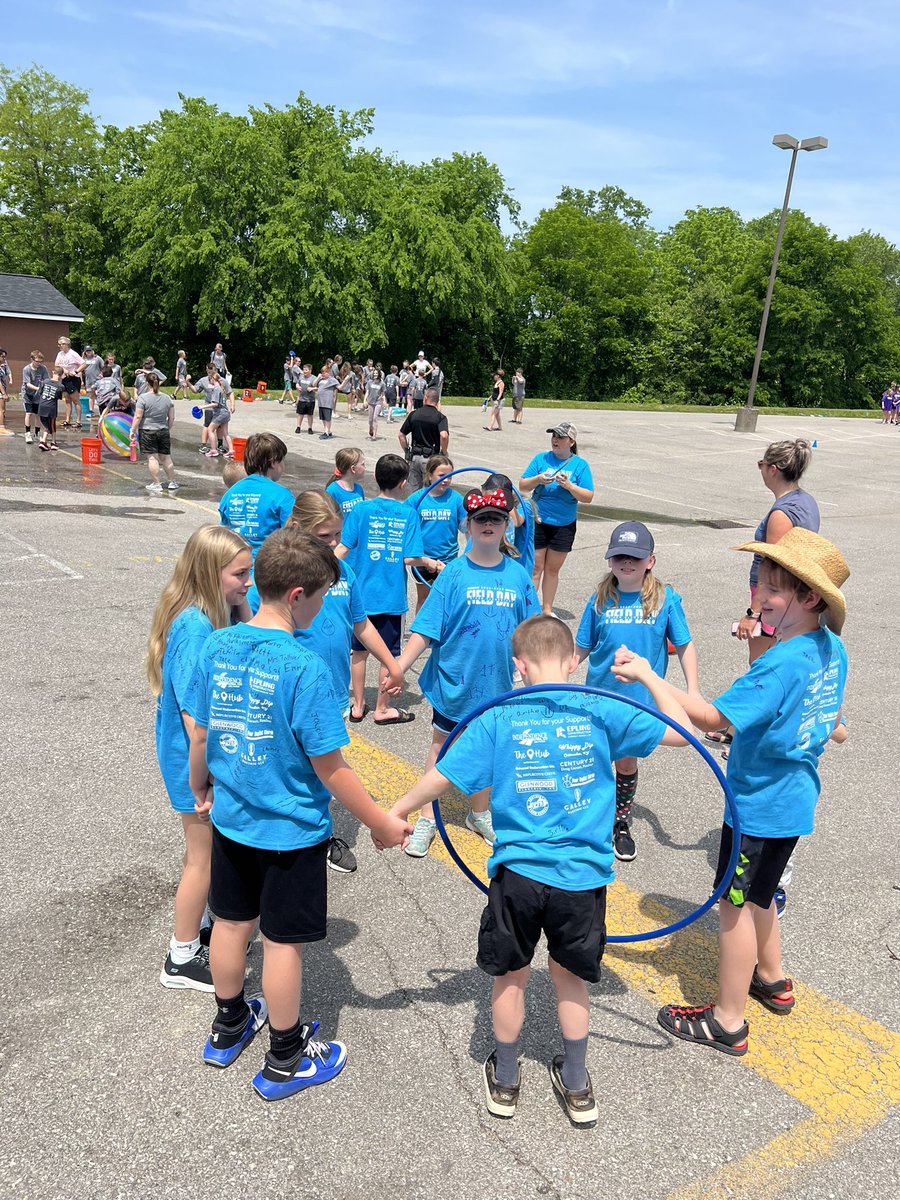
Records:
x=390, y=831
x=629, y=667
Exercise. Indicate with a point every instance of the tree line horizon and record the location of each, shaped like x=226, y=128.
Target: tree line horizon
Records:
x=281, y=228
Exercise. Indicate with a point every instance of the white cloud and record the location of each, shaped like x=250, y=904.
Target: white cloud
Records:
x=68, y=8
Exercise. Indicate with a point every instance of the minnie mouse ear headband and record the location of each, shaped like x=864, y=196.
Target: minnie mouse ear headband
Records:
x=500, y=501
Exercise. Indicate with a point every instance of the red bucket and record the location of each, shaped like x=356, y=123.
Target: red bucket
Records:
x=247, y=395
x=90, y=451
x=240, y=445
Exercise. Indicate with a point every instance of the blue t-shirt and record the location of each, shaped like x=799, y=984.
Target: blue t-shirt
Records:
x=547, y=759
x=803, y=512
x=470, y=615
x=186, y=638
x=624, y=624
x=268, y=706
x=255, y=507
x=783, y=711
x=380, y=534
x=346, y=500
x=442, y=518
x=329, y=634
x=554, y=504
x=523, y=539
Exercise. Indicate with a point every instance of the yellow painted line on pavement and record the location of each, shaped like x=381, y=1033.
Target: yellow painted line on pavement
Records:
x=843, y=1067
x=121, y=475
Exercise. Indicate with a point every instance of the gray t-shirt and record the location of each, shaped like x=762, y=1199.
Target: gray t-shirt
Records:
x=213, y=392
x=34, y=376
x=374, y=391
x=92, y=369
x=518, y=388
x=218, y=361
x=156, y=410
x=140, y=379
x=180, y=368
x=325, y=391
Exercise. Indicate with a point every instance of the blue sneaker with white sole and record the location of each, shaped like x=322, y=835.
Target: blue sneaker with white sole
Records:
x=223, y=1047
x=318, y=1062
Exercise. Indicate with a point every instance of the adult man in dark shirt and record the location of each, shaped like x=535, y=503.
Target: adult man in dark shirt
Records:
x=424, y=432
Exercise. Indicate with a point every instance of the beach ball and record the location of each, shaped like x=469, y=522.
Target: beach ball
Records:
x=115, y=432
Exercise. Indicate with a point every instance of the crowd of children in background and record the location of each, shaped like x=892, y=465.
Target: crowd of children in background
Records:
x=258, y=655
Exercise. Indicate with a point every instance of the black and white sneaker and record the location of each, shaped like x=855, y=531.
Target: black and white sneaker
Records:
x=340, y=856
x=194, y=974
x=623, y=842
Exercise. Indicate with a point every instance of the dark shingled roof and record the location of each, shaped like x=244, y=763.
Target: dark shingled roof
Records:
x=33, y=295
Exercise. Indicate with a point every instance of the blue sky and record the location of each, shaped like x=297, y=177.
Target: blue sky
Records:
x=674, y=100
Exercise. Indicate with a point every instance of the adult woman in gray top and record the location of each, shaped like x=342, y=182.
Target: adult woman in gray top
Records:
x=781, y=468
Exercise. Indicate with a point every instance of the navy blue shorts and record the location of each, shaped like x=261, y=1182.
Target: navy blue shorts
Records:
x=390, y=626
x=441, y=723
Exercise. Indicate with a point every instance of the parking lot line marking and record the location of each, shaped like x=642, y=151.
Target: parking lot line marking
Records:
x=843, y=1067
x=33, y=552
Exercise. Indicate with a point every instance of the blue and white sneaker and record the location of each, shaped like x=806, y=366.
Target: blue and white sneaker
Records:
x=222, y=1049
x=482, y=824
x=780, y=899
x=318, y=1062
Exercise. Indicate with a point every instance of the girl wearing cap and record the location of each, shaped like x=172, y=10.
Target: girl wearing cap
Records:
x=560, y=481
x=784, y=710
x=468, y=620
x=633, y=607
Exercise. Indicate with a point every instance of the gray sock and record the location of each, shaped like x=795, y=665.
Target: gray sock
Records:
x=574, y=1071
x=507, y=1062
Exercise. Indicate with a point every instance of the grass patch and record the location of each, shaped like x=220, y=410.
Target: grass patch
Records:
x=650, y=406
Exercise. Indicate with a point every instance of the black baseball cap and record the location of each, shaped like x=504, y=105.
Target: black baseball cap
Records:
x=631, y=538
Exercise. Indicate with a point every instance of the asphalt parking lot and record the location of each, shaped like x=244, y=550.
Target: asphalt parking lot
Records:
x=104, y=1094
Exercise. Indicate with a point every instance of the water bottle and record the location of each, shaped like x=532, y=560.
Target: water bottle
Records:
x=85, y=418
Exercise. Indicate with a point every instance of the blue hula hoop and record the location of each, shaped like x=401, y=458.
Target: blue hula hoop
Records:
x=730, y=802
x=526, y=510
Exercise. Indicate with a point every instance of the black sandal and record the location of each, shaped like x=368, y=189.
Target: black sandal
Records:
x=719, y=737
x=769, y=994
x=698, y=1025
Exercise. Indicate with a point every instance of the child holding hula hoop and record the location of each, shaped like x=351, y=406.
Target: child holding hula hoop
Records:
x=784, y=710
x=207, y=591
x=468, y=620
x=632, y=606
x=442, y=516
x=553, y=856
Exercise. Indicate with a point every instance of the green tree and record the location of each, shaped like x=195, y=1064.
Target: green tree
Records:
x=702, y=350
x=49, y=150
x=583, y=284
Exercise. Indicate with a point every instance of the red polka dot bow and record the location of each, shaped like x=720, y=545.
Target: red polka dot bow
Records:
x=497, y=499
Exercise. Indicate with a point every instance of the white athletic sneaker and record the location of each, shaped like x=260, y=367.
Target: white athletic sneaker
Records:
x=155, y=489
x=173, y=486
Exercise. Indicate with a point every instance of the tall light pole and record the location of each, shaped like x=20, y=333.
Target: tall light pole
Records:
x=747, y=415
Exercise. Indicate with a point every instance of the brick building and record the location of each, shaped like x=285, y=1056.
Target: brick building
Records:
x=33, y=316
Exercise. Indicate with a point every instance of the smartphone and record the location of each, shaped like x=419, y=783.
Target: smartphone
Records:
x=754, y=632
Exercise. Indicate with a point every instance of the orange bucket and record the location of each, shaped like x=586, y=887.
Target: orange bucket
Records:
x=90, y=451
x=240, y=445
x=261, y=386
x=247, y=396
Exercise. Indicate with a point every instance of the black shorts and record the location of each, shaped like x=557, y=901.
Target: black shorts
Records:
x=71, y=384
x=325, y=414
x=390, y=626
x=30, y=404
x=306, y=408
x=156, y=441
x=207, y=418
x=519, y=910
x=441, y=723
x=554, y=537
x=286, y=889
x=425, y=575
x=759, y=870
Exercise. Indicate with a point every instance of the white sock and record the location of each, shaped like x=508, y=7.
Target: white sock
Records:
x=182, y=952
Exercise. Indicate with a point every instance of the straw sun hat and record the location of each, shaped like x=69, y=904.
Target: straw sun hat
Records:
x=815, y=561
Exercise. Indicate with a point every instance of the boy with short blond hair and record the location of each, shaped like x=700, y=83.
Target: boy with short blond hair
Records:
x=553, y=856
